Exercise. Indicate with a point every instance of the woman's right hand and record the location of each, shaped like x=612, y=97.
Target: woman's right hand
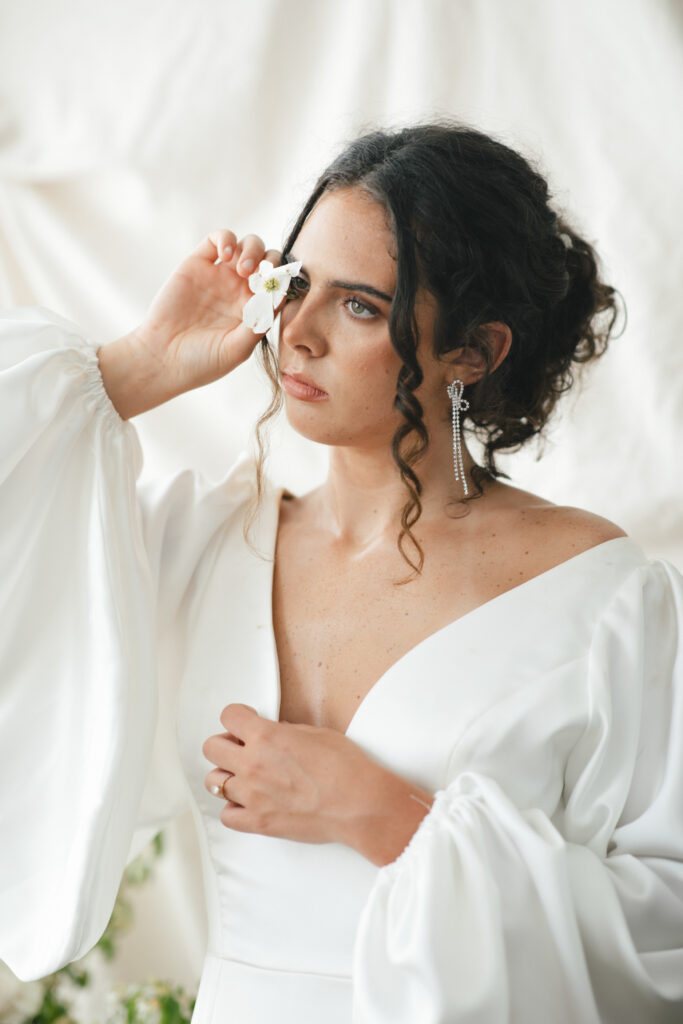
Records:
x=194, y=323
x=193, y=332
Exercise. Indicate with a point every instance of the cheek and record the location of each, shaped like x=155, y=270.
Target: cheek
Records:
x=377, y=367
x=370, y=394
x=376, y=357
x=370, y=381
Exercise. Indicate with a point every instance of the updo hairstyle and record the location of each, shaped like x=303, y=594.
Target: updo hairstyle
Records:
x=473, y=225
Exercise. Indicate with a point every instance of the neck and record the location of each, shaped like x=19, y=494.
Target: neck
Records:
x=362, y=499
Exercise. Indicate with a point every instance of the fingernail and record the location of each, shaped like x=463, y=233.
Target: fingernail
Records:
x=227, y=252
x=248, y=265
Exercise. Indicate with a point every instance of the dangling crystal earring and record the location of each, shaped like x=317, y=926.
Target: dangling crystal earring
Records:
x=460, y=404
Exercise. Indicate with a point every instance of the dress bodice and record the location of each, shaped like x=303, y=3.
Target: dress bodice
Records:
x=544, y=884
x=517, y=663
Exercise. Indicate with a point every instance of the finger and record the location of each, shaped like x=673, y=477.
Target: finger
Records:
x=215, y=780
x=237, y=346
x=223, y=752
x=218, y=244
x=230, y=790
x=238, y=718
x=251, y=250
x=227, y=793
x=274, y=256
x=237, y=818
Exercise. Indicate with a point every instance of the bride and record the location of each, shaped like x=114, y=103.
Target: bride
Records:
x=428, y=723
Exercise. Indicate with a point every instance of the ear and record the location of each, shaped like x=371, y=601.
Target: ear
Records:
x=468, y=363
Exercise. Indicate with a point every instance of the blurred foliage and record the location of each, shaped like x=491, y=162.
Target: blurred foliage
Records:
x=153, y=1002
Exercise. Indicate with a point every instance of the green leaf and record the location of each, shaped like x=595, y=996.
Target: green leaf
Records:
x=51, y=1009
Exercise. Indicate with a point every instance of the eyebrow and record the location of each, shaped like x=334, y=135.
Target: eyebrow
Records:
x=350, y=286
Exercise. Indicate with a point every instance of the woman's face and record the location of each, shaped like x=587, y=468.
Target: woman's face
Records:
x=335, y=332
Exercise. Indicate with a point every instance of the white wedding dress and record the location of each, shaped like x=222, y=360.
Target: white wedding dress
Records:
x=545, y=884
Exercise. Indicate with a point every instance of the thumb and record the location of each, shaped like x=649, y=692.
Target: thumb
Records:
x=237, y=346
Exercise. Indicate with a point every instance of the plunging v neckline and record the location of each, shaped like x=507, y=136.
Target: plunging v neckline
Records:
x=426, y=641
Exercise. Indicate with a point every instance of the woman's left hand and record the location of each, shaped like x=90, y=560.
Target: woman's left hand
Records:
x=291, y=780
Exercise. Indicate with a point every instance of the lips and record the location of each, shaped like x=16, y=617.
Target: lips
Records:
x=301, y=379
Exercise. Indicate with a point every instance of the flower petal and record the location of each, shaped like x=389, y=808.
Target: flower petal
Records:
x=258, y=313
x=279, y=293
x=286, y=273
x=256, y=282
x=267, y=272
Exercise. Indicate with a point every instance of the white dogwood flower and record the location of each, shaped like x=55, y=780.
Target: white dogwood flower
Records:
x=270, y=286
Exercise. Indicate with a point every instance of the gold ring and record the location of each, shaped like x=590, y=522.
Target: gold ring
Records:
x=226, y=779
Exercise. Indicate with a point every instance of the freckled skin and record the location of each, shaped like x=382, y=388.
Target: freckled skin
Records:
x=340, y=619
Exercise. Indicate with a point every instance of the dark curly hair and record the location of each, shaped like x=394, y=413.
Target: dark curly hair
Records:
x=473, y=225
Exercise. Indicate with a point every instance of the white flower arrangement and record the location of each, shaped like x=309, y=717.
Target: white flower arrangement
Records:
x=56, y=999
x=19, y=1000
x=154, y=1002
x=270, y=285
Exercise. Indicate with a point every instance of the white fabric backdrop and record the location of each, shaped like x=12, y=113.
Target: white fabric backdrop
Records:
x=128, y=130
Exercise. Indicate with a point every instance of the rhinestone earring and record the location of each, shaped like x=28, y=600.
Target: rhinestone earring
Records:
x=459, y=404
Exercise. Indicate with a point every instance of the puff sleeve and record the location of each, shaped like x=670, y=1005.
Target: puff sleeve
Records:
x=501, y=914
x=92, y=567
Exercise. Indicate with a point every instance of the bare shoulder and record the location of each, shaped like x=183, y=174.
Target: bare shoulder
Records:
x=566, y=520
x=546, y=534
x=559, y=532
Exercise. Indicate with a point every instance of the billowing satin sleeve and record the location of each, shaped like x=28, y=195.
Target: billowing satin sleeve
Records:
x=92, y=570
x=501, y=914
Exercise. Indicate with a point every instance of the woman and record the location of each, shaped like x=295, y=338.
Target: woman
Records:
x=428, y=723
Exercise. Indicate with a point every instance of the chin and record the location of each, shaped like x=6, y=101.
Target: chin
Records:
x=314, y=422
x=310, y=425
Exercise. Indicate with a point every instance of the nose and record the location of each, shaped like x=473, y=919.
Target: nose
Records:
x=302, y=325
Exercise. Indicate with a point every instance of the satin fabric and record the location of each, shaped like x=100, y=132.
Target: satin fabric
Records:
x=546, y=882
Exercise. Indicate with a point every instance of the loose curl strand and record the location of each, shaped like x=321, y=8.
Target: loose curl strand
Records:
x=474, y=226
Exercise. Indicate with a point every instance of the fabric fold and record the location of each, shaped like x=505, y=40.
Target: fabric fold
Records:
x=93, y=569
x=497, y=913
x=78, y=668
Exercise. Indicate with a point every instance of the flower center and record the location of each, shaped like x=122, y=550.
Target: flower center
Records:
x=270, y=284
